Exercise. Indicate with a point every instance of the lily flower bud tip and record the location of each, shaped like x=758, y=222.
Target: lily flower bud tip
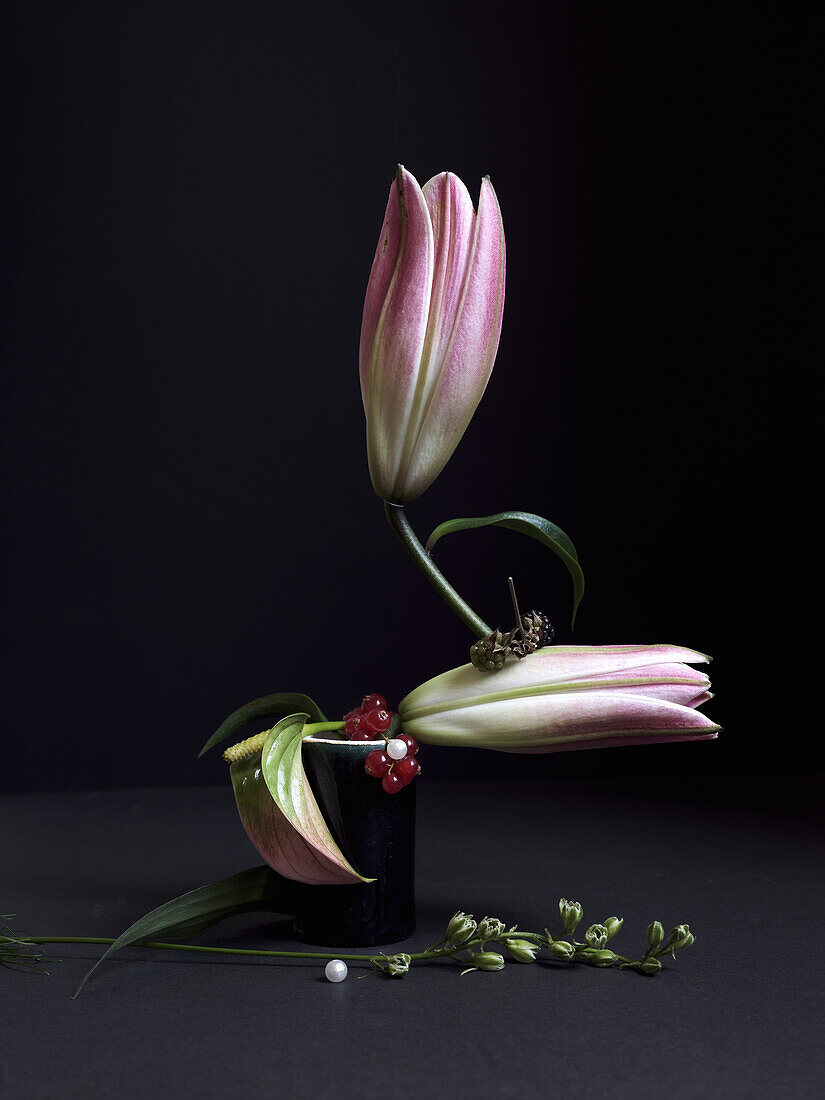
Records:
x=566, y=697
x=430, y=328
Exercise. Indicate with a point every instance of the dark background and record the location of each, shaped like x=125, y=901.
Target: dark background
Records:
x=193, y=192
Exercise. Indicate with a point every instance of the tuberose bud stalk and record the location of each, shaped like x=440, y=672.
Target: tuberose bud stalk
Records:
x=613, y=924
x=461, y=928
x=596, y=936
x=680, y=937
x=655, y=933
x=522, y=950
x=648, y=966
x=490, y=928
x=561, y=949
x=16, y=947
x=397, y=965
x=596, y=958
x=571, y=914
x=487, y=960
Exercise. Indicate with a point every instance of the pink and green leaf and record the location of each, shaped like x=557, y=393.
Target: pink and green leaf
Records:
x=281, y=814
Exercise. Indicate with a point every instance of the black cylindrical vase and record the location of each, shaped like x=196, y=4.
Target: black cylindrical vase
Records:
x=376, y=832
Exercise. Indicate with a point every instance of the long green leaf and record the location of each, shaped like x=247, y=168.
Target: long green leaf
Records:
x=526, y=523
x=302, y=831
x=274, y=706
x=258, y=889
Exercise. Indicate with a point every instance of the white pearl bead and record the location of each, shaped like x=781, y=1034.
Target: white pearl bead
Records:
x=397, y=749
x=335, y=970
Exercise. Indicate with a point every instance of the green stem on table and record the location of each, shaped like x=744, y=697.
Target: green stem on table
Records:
x=215, y=950
x=397, y=518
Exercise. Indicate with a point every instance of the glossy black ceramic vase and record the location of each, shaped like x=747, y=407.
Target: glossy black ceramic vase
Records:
x=376, y=832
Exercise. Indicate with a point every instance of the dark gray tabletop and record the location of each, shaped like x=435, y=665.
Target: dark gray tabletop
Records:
x=738, y=1014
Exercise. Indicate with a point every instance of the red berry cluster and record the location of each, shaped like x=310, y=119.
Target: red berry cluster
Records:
x=369, y=722
x=394, y=774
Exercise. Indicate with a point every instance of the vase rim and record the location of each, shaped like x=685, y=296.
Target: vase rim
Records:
x=341, y=741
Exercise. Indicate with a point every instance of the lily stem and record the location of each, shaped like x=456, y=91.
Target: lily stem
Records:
x=397, y=518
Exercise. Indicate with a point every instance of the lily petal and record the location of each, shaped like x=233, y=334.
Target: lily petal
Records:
x=543, y=672
x=678, y=683
x=552, y=723
x=430, y=328
x=469, y=336
x=394, y=325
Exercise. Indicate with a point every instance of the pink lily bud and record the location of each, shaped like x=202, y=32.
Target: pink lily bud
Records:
x=566, y=697
x=430, y=329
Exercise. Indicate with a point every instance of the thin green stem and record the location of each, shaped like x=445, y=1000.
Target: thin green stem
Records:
x=312, y=728
x=195, y=947
x=397, y=518
x=159, y=945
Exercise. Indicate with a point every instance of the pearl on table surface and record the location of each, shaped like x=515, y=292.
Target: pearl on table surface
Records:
x=335, y=970
x=396, y=748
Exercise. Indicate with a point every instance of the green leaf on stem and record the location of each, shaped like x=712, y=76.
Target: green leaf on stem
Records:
x=281, y=815
x=275, y=706
x=258, y=889
x=526, y=523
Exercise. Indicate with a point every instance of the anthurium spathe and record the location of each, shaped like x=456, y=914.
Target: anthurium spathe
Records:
x=566, y=697
x=279, y=810
x=430, y=328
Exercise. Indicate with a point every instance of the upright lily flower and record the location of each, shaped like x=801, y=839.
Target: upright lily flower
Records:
x=430, y=329
x=566, y=697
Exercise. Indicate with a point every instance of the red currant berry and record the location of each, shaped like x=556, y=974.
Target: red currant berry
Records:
x=411, y=743
x=362, y=735
x=391, y=783
x=353, y=723
x=377, y=720
x=357, y=712
x=406, y=769
x=373, y=702
x=377, y=764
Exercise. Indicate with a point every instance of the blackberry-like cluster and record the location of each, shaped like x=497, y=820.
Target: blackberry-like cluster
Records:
x=490, y=653
x=546, y=630
x=534, y=631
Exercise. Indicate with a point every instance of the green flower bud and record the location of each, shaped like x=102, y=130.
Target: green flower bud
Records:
x=561, y=949
x=461, y=927
x=571, y=914
x=490, y=928
x=613, y=924
x=397, y=965
x=648, y=966
x=488, y=960
x=596, y=935
x=680, y=936
x=522, y=950
x=655, y=933
x=596, y=958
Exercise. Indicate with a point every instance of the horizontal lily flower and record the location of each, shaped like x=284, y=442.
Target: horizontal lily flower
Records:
x=566, y=697
x=430, y=329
